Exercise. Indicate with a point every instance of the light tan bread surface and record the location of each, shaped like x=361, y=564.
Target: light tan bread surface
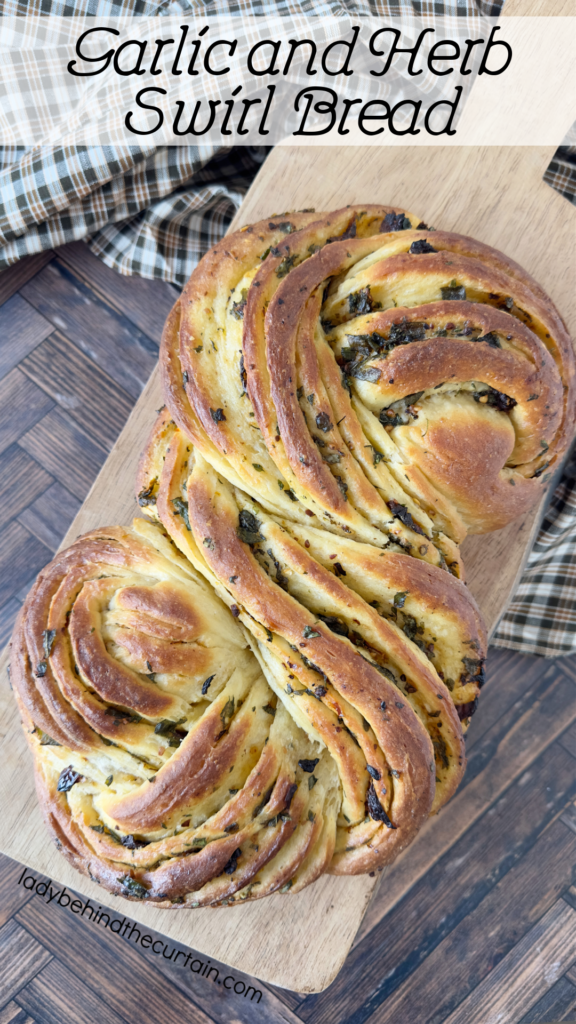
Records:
x=528, y=222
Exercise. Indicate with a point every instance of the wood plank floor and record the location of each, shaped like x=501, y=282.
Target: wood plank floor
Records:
x=475, y=924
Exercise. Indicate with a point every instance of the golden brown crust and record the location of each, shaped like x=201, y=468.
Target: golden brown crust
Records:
x=365, y=384
x=472, y=452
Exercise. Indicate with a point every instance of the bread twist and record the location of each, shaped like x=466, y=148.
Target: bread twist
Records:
x=388, y=381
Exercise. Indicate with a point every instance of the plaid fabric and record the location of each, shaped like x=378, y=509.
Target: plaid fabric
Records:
x=154, y=212
x=168, y=237
x=542, y=617
x=148, y=213
x=144, y=209
x=561, y=172
x=385, y=8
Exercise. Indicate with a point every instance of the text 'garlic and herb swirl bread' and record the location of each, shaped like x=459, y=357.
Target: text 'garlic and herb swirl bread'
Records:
x=376, y=656
x=391, y=382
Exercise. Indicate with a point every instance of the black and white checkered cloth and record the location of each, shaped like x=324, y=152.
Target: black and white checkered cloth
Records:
x=154, y=211
x=542, y=616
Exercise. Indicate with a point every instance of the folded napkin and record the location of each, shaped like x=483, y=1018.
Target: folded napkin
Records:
x=154, y=211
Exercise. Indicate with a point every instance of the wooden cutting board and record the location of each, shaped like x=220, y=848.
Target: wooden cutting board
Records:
x=497, y=195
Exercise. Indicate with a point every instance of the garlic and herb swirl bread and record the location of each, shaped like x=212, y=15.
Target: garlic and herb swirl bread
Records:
x=272, y=678
x=391, y=382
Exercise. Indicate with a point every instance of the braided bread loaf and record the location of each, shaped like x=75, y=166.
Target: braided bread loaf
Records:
x=389, y=382
x=272, y=679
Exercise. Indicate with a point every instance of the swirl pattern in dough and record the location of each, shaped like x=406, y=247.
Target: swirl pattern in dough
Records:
x=390, y=382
